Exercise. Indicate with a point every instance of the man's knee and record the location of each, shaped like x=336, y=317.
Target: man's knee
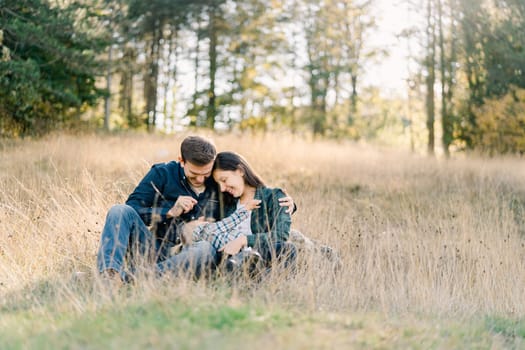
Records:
x=120, y=210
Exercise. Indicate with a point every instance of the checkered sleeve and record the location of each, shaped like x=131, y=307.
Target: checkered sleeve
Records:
x=221, y=232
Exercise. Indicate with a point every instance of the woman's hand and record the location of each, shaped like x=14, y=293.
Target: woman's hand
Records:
x=235, y=246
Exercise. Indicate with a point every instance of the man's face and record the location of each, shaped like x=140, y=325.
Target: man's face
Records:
x=195, y=174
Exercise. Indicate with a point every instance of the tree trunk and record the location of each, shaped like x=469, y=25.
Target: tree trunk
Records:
x=194, y=110
x=151, y=82
x=107, y=100
x=443, y=79
x=169, y=78
x=431, y=77
x=447, y=77
x=451, y=81
x=174, y=74
x=353, y=99
x=126, y=86
x=211, y=111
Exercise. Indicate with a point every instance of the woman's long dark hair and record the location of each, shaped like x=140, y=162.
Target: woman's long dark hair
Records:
x=231, y=161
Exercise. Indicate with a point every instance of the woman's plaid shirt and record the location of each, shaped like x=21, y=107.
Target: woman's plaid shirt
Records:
x=221, y=232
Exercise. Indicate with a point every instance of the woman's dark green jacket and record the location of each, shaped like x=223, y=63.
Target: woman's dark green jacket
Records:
x=270, y=223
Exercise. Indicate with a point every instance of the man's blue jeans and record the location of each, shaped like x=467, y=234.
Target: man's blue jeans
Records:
x=126, y=241
x=197, y=260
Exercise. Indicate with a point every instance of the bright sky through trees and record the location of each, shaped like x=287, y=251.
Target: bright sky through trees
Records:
x=390, y=73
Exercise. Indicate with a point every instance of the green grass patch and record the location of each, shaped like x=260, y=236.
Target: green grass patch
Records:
x=184, y=324
x=511, y=329
x=151, y=324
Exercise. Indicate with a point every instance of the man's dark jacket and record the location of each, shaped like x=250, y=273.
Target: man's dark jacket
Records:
x=157, y=193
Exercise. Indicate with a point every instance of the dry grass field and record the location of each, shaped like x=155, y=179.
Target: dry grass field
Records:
x=432, y=251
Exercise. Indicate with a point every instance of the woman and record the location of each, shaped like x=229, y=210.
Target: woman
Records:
x=267, y=229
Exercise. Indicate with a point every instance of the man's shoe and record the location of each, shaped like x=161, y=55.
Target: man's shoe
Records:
x=111, y=279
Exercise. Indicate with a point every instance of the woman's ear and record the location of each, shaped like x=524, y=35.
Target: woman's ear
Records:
x=240, y=172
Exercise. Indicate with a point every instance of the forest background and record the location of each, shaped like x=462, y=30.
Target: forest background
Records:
x=294, y=65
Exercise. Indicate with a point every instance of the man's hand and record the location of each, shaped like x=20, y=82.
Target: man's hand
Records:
x=235, y=246
x=183, y=205
x=287, y=202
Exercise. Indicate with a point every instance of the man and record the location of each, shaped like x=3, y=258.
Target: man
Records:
x=177, y=191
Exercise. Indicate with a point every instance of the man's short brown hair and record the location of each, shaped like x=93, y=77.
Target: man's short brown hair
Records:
x=197, y=150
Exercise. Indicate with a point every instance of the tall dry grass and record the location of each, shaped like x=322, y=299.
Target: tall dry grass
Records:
x=415, y=234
